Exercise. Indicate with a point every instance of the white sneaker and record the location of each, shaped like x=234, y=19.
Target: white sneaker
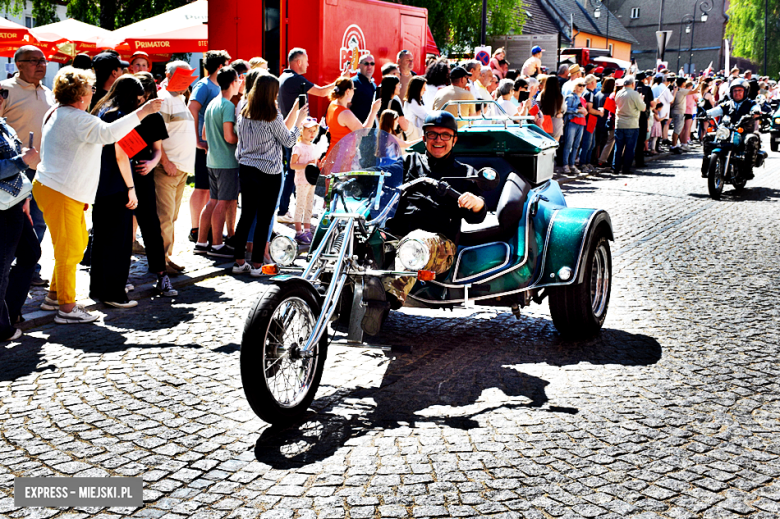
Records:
x=126, y=304
x=685, y=147
x=285, y=218
x=567, y=170
x=255, y=272
x=242, y=269
x=16, y=335
x=49, y=304
x=78, y=315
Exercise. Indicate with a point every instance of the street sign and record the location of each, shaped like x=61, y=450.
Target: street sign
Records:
x=482, y=54
x=662, y=37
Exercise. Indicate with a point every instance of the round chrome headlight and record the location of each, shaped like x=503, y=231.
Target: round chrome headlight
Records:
x=722, y=133
x=777, y=120
x=413, y=255
x=283, y=250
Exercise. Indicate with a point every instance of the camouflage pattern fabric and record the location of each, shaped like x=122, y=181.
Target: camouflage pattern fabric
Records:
x=442, y=255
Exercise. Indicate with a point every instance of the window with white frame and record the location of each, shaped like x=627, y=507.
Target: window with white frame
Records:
x=634, y=13
x=610, y=49
x=29, y=22
x=587, y=42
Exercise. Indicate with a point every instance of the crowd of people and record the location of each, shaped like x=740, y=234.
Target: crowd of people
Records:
x=110, y=136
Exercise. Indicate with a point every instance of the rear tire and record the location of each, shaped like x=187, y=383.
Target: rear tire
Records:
x=715, y=177
x=579, y=311
x=280, y=385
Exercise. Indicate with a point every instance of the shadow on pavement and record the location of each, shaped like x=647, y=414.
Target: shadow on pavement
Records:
x=451, y=380
x=109, y=336
x=748, y=194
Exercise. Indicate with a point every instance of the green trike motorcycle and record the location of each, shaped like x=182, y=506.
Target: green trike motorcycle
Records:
x=532, y=247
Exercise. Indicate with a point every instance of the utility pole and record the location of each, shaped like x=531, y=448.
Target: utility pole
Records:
x=483, y=36
x=766, y=23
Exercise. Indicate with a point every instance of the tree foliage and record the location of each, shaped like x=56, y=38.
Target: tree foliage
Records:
x=109, y=14
x=456, y=24
x=746, y=29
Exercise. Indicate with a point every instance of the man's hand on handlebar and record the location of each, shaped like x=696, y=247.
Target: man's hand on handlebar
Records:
x=471, y=202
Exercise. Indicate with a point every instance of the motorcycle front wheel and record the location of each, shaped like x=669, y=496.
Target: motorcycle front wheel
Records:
x=279, y=380
x=715, y=176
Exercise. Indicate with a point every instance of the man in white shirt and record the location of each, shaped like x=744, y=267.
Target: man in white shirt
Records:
x=177, y=162
x=482, y=82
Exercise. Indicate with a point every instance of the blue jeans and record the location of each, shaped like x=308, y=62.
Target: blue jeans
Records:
x=625, y=143
x=586, y=147
x=17, y=240
x=571, y=144
x=39, y=226
x=288, y=184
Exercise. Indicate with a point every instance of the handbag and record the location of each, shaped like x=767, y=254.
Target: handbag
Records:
x=14, y=190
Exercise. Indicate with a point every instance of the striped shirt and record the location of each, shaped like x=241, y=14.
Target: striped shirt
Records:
x=260, y=143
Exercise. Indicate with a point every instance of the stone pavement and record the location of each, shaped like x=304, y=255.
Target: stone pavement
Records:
x=672, y=412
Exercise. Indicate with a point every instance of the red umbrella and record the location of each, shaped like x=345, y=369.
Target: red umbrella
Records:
x=70, y=37
x=13, y=36
x=431, y=47
x=182, y=29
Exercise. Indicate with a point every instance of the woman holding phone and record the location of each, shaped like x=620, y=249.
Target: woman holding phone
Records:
x=340, y=119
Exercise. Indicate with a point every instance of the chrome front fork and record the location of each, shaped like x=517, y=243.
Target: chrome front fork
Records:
x=342, y=258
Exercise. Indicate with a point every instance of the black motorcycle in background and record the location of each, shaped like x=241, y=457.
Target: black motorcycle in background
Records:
x=731, y=153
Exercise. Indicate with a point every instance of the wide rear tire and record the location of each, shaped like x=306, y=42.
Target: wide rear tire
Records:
x=279, y=383
x=715, y=176
x=579, y=311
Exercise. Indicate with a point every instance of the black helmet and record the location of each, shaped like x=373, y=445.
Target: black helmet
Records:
x=741, y=83
x=443, y=119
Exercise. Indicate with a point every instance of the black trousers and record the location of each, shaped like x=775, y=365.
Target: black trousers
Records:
x=149, y=222
x=639, y=154
x=112, y=246
x=259, y=192
x=17, y=240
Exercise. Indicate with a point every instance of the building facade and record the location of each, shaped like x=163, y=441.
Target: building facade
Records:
x=701, y=44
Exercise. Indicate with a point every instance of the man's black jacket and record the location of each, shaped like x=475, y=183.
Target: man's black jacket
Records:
x=422, y=208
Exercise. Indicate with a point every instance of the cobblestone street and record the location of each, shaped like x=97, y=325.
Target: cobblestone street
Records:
x=672, y=412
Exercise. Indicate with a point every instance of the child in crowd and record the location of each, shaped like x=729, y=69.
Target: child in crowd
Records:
x=303, y=154
x=656, y=131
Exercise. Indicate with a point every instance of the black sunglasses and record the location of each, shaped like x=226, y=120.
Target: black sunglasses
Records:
x=369, y=63
x=431, y=136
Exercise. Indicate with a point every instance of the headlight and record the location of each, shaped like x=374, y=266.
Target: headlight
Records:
x=777, y=120
x=283, y=250
x=414, y=255
x=722, y=133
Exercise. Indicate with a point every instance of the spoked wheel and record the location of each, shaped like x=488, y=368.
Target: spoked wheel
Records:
x=578, y=311
x=715, y=176
x=279, y=378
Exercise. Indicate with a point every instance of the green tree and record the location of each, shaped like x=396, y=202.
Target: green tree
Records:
x=456, y=24
x=108, y=14
x=746, y=29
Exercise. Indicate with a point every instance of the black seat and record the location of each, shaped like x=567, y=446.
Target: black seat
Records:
x=509, y=213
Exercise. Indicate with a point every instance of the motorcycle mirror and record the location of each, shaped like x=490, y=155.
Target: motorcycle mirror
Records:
x=487, y=179
x=726, y=120
x=755, y=110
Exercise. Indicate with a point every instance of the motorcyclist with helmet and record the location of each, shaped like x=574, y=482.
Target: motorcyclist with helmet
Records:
x=426, y=216
x=737, y=106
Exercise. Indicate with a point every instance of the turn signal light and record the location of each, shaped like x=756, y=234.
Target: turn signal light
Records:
x=271, y=270
x=426, y=275
x=740, y=130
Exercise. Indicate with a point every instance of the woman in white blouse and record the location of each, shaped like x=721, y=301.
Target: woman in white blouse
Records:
x=414, y=108
x=67, y=179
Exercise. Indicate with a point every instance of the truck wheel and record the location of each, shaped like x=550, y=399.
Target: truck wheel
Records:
x=578, y=311
x=715, y=177
x=773, y=143
x=279, y=381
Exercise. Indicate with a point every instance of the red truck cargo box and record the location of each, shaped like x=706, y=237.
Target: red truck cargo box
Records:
x=331, y=31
